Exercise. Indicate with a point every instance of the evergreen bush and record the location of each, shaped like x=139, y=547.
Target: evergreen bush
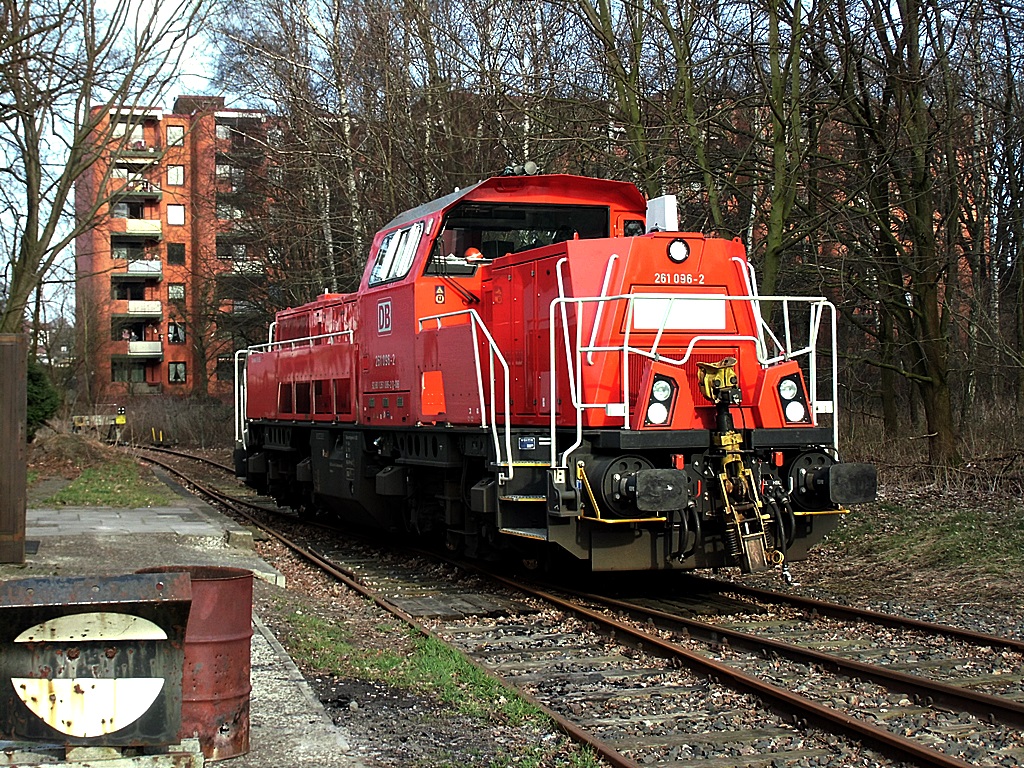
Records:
x=43, y=397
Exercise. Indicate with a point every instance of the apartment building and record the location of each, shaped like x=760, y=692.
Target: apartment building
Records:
x=157, y=292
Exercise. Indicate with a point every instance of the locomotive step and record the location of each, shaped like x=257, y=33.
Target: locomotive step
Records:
x=523, y=497
x=538, y=534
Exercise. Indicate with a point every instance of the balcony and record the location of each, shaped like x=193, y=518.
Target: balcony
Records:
x=143, y=227
x=126, y=309
x=144, y=388
x=145, y=348
x=140, y=189
x=139, y=150
x=138, y=308
x=249, y=267
x=140, y=269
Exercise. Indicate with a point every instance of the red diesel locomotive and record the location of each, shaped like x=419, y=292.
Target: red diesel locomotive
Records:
x=535, y=364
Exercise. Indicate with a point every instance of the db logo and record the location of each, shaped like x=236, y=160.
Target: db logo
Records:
x=384, y=317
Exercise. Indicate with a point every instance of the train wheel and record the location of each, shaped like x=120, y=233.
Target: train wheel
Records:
x=454, y=542
x=308, y=512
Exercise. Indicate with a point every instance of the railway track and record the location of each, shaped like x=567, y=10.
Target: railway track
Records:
x=916, y=682
x=647, y=683
x=961, y=669
x=185, y=455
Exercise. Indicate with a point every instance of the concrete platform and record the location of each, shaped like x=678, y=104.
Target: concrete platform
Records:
x=288, y=726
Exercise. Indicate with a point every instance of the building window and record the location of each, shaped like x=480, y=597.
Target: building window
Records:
x=225, y=368
x=175, y=291
x=176, y=373
x=175, y=175
x=175, y=135
x=175, y=333
x=223, y=171
x=223, y=131
x=226, y=211
x=176, y=254
x=176, y=215
x=128, y=210
x=127, y=291
x=126, y=371
x=228, y=249
x=127, y=249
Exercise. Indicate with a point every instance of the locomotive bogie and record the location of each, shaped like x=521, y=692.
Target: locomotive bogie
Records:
x=524, y=370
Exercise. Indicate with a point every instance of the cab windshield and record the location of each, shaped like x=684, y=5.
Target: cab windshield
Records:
x=496, y=229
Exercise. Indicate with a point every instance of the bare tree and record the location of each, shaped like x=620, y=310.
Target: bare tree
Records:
x=909, y=138
x=66, y=65
x=869, y=149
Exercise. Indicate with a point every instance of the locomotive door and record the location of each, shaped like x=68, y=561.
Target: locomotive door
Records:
x=520, y=313
x=505, y=305
x=542, y=292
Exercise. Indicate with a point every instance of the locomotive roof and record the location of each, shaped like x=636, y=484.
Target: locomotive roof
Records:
x=541, y=189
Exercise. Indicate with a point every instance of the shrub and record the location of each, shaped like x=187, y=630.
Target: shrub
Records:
x=43, y=398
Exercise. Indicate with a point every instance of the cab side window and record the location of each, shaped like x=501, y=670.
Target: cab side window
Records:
x=396, y=253
x=447, y=257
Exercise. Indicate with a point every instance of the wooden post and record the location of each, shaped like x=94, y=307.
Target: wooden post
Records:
x=13, y=447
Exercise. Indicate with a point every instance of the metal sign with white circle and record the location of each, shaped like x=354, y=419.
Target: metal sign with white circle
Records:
x=93, y=661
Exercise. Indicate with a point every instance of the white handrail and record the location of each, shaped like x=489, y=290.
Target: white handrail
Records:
x=306, y=340
x=600, y=307
x=241, y=371
x=565, y=331
x=241, y=398
x=816, y=306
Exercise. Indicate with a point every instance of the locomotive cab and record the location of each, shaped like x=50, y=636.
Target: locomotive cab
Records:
x=525, y=368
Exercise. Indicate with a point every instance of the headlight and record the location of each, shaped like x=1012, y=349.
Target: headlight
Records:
x=795, y=411
x=678, y=251
x=788, y=389
x=657, y=413
x=661, y=391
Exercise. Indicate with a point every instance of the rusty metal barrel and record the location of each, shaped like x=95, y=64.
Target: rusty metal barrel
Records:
x=215, y=682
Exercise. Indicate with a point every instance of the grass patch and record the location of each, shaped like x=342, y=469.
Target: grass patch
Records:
x=31, y=478
x=428, y=667
x=437, y=667
x=432, y=668
x=985, y=534
x=121, y=483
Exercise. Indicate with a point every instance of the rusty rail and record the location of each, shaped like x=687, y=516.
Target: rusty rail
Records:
x=875, y=617
x=802, y=708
